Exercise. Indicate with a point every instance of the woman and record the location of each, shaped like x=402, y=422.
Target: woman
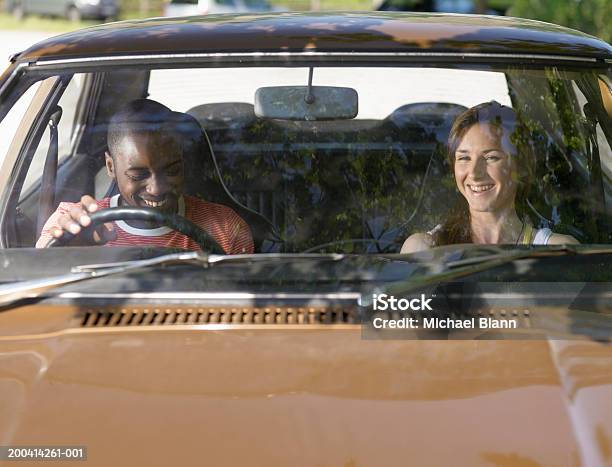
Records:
x=492, y=165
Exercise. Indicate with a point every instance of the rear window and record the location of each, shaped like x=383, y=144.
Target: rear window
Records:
x=377, y=97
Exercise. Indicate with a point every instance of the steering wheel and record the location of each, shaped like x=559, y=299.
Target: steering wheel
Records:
x=174, y=221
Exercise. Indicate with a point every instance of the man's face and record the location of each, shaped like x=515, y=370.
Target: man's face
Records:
x=148, y=168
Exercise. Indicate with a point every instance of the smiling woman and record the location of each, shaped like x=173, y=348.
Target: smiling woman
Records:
x=492, y=159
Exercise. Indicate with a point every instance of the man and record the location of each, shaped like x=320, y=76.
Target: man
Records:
x=145, y=159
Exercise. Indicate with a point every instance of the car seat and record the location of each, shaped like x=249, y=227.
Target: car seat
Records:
x=202, y=181
x=423, y=129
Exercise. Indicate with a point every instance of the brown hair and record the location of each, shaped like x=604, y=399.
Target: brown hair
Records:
x=504, y=122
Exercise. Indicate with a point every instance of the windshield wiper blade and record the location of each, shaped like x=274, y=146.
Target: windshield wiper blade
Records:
x=199, y=258
x=98, y=268
x=266, y=257
x=466, y=267
x=11, y=293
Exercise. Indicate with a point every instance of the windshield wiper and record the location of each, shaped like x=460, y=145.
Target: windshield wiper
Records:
x=199, y=258
x=460, y=268
x=451, y=270
x=12, y=293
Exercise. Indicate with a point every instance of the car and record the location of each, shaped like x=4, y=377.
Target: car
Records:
x=203, y=7
x=74, y=10
x=441, y=6
x=332, y=341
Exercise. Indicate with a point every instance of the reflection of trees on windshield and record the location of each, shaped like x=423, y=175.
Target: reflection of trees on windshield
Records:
x=365, y=185
x=338, y=182
x=347, y=185
x=565, y=192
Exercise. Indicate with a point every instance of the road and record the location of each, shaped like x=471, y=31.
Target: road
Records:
x=10, y=43
x=16, y=41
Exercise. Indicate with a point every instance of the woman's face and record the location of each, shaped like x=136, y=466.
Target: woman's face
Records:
x=485, y=174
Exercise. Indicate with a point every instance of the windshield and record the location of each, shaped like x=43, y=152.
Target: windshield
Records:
x=433, y=156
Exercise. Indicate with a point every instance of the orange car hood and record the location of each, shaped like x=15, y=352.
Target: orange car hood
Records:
x=311, y=397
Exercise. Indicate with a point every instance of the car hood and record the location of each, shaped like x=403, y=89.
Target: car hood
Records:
x=295, y=396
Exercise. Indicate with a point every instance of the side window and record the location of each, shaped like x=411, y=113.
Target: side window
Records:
x=67, y=132
x=603, y=147
x=10, y=123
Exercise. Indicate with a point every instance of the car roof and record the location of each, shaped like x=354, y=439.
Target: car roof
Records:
x=321, y=32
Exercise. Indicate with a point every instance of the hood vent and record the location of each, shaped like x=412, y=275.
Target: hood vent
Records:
x=126, y=317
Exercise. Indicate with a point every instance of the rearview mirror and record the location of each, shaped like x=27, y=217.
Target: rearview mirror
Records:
x=297, y=103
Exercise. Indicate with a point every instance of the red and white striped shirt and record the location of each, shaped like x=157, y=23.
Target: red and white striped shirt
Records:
x=229, y=230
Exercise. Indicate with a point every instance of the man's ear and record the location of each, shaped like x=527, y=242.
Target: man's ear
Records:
x=110, y=165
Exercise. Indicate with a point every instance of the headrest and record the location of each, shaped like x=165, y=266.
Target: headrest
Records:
x=224, y=115
x=434, y=118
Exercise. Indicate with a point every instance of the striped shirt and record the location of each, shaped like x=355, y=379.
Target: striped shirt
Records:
x=229, y=230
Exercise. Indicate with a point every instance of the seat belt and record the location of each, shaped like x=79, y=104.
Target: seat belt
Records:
x=46, y=202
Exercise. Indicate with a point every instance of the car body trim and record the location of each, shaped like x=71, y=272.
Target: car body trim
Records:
x=305, y=296
x=214, y=295
x=182, y=327
x=237, y=55
x=12, y=76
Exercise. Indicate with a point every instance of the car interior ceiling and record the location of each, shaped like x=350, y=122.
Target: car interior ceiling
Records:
x=359, y=185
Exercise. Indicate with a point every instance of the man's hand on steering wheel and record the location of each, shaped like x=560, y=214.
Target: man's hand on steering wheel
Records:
x=86, y=225
x=77, y=219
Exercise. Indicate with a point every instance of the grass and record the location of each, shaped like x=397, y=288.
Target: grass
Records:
x=324, y=5
x=39, y=23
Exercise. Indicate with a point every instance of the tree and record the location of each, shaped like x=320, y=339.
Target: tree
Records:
x=590, y=16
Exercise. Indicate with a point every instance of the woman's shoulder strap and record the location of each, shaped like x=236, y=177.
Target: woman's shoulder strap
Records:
x=435, y=230
x=541, y=236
